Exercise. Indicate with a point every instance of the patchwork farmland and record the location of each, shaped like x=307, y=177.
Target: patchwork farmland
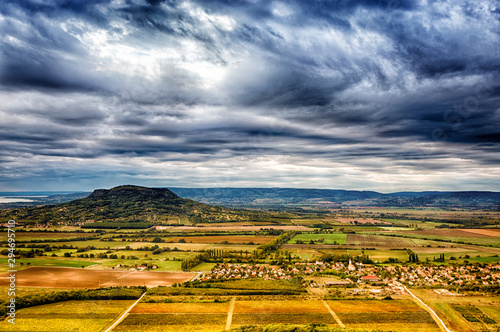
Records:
x=340, y=269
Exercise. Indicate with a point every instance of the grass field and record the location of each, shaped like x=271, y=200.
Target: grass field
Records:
x=45, y=262
x=66, y=316
x=338, y=238
x=204, y=267
x=455, y=236
x=377, y=240
x=464, y=313
x=163, y=265
x=27, y=236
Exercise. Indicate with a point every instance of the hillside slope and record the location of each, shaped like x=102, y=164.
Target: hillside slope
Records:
x=130, y=204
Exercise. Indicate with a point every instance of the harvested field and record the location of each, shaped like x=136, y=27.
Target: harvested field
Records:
x=486, y=232
x=60, y=277
x=379, y=241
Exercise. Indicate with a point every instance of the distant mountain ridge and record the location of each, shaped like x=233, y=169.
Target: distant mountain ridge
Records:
x=248, y=197
x=274, y=197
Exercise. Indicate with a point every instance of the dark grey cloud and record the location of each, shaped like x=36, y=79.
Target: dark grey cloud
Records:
x=285, y=93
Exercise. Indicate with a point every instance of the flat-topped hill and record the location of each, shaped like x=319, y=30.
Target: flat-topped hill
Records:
x=131, y=204
x=135, y=193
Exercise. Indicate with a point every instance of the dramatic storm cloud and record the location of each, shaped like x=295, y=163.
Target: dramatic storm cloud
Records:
x=384, y=94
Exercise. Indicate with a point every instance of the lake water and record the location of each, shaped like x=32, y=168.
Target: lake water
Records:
x=13, y=199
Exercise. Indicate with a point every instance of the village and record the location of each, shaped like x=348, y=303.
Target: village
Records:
x=437, y=276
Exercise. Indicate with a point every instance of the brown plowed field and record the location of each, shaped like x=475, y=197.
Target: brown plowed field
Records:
x=61, y=277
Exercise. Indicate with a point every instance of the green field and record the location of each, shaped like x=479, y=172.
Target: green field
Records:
x=204, y=267
x=482, y=241
x=464, y=313
x=46, y=262
x=338, y=238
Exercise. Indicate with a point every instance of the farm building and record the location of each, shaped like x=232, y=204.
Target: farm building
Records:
x=369, y=278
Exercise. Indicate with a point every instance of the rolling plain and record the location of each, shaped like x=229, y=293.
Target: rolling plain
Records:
x=311, y=267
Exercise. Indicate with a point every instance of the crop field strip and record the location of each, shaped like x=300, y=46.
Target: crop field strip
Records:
x=338, y=238
x=207, y=316
x=383, y=315
x=85, y=316
x=444, y=308
x=176, y=317
x=476, y=316
x=380, y=241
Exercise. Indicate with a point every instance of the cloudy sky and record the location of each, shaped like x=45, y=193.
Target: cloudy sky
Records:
x=383, y=95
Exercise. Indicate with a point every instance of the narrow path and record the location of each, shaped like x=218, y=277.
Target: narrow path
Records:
x=438, y=320
x=334, y=315
x=123, y=276
x=197, y=276
x=122, y=317
x=111, y=281
x=230, y=313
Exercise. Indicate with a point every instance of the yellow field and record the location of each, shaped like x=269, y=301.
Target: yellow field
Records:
x=383, y=315
x=66, y=316
x=279, y=307
x=176, y=317
x=200, y=308
x=339, y=306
